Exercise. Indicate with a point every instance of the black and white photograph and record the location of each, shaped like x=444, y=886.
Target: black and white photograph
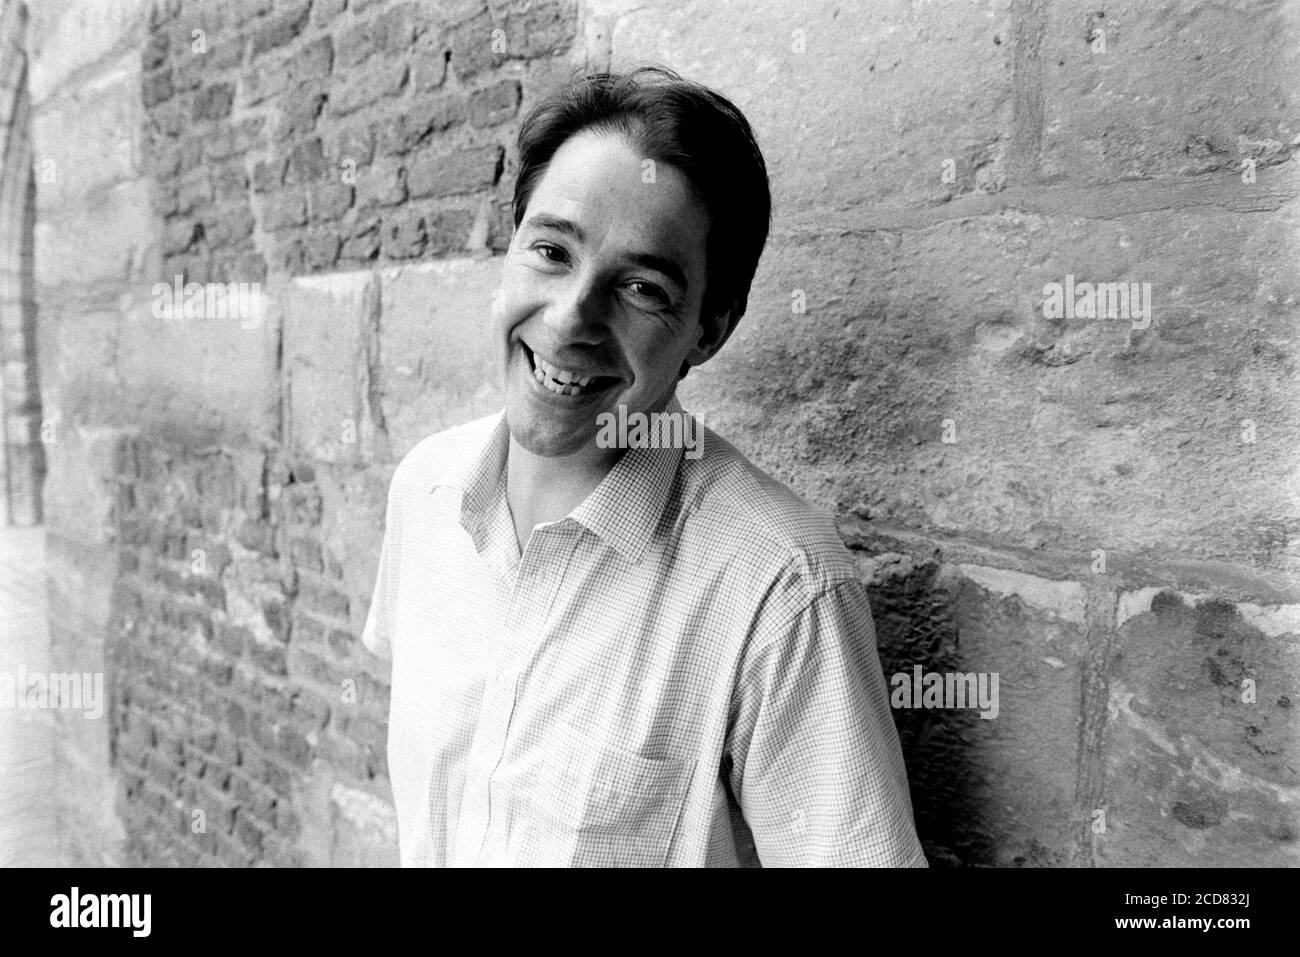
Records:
x=651, y=434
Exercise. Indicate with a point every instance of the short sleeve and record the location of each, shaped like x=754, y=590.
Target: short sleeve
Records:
x=816, y=766
x=377, y=633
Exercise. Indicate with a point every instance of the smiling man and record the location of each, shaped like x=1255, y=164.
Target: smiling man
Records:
x=626, y=656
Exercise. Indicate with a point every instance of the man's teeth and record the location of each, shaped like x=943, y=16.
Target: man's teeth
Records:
x=560, y=381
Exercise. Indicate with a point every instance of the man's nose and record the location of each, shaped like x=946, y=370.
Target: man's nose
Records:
x=578, y=315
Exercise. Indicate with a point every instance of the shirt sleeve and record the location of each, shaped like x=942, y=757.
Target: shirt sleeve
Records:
x=816, y=766
x=377, y=633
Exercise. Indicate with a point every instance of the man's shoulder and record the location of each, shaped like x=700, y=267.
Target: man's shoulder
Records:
x=441, y=456
x=732, y=499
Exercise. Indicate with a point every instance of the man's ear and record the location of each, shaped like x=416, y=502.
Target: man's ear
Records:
x=714, y=332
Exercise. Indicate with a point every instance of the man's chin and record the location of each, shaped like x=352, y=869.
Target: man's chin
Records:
x=548, y=439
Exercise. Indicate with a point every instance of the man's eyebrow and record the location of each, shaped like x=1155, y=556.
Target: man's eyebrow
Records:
x=660, y=264
x=561, y=225
x=568, y=227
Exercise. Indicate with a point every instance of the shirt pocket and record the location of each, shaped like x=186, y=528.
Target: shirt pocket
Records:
x=618, y=808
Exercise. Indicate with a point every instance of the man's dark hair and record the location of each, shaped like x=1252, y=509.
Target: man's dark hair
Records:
x=679, y=123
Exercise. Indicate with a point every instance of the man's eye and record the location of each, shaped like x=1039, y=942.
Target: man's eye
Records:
x=551, y=253
x=648, y=290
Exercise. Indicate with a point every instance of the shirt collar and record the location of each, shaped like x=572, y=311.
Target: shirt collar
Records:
x=479, y=475
x=623, y=510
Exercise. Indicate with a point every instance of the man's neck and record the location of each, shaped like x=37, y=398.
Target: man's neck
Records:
x=541, y=488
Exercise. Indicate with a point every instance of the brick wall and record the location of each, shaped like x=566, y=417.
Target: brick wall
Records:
x=1076, y=505
x=315, y=137
x=235, y=663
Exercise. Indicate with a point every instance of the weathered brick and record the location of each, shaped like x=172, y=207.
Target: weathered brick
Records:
x=324, y=12
x=214, y=102
x=231, y=852
x=403, y=234
x=448, y=230
x=156, y=49
x=281, y=28
x=156, y=87
x=189, y=70
x=320, y=249
x=495, y=104
x=471, y=45
x=299, y=110
x=328, y=202
x=390, y=32
x=501, y=227
x=341, y=642
x=366, y=731
x=277, y=778
x=287, y=823
x=270, y=658
x=320, y=597
x=162, y=160
x=536, y=28
x=268, y=175
x=236, y=223
x=333, y=567
x=345, y=755
x=429, y=59
x=305, y=552
x=308, y=631
x=262, y=731
x=264, y=80
x=207, y=556
x=293, y=746
x=237, y=264
x=217, y=671
x=383, y=183
x=302, y=504
x=417, y=124
x=449, y=174
x=310, y=709
x=247, y=832
x=313, y=62
x=236, y=718
x=354, y=144
x=307, y=163
x=233, y=139
x=304, y=665
x=168, y=119
x=284, y=210
x=229, y=181
x=193, y=190
x=363, y=240
x=385, y=78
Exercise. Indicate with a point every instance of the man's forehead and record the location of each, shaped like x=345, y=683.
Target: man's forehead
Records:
x=565, y=207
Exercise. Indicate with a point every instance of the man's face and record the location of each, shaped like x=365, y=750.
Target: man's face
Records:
x=602, y=284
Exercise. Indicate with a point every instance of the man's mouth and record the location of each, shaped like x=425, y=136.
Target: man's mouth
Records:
x=563, y=381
